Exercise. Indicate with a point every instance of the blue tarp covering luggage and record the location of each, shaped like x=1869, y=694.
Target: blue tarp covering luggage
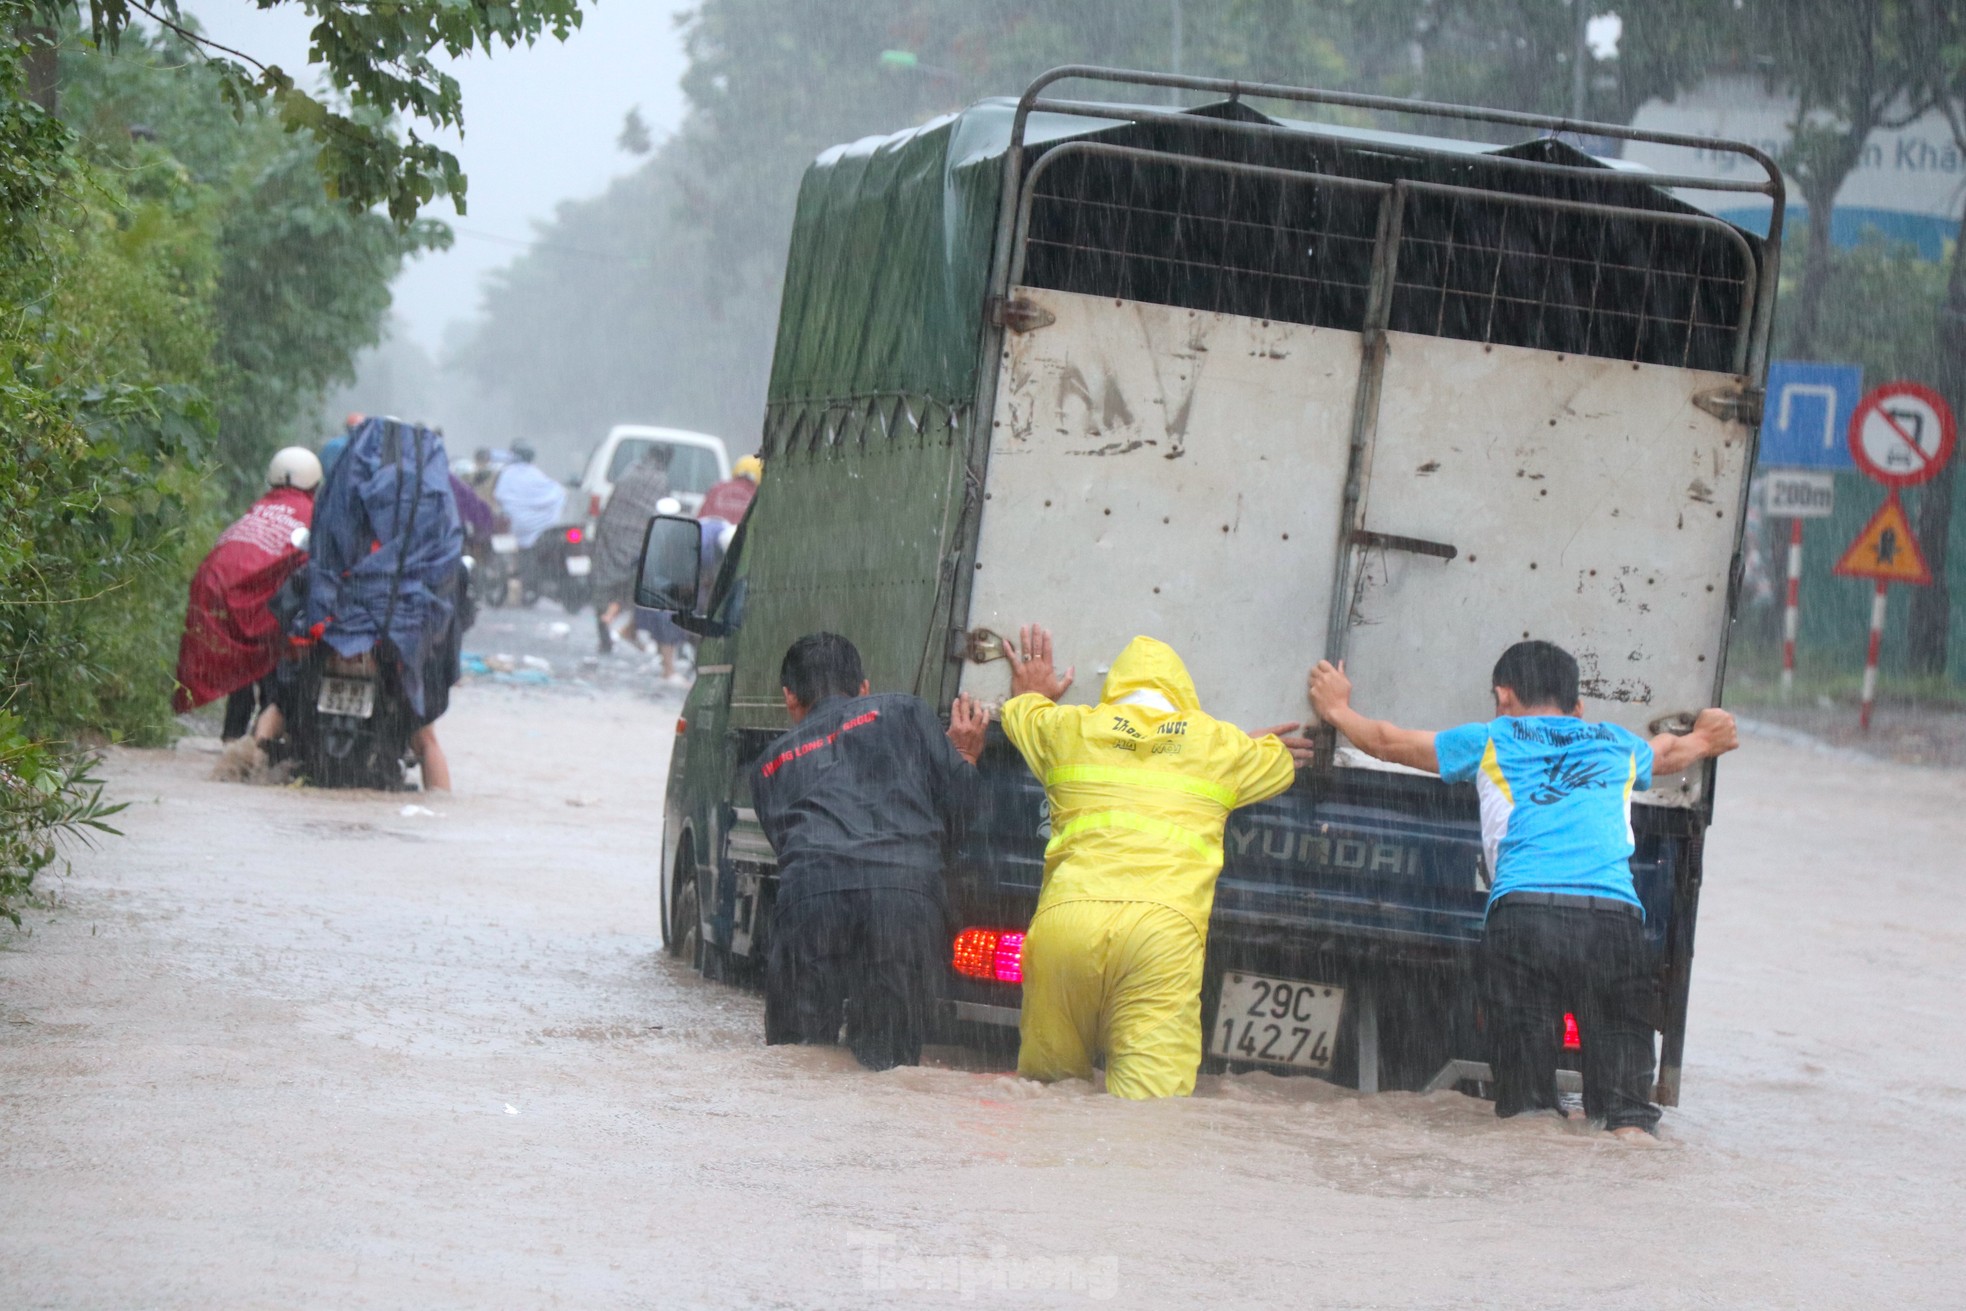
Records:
x=386, y=547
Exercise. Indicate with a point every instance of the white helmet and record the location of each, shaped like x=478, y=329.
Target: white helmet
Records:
x=295, y=467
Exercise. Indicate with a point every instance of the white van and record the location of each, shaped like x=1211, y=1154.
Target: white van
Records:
x=696, y=463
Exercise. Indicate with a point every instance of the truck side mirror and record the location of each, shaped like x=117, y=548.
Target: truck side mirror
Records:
x=672, y=565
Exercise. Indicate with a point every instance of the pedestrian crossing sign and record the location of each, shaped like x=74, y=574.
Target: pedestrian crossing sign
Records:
x=1887, y=549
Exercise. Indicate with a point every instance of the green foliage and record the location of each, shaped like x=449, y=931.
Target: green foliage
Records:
x=1850, y=69
x=93, y=496
x=1881, y=304
x=46, y=796
x=299, y=284
x=1516, y=54
x=377, y=59
x=103, y=377
x=179, y=291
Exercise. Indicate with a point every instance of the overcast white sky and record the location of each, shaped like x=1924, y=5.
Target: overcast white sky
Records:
x=540, y=126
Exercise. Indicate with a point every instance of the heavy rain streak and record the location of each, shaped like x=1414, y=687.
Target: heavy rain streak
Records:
x=1174, y=652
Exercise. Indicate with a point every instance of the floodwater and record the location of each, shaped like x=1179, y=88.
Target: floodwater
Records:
x=280, y=1047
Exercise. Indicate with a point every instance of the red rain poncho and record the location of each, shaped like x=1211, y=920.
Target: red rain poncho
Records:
x=230, y=636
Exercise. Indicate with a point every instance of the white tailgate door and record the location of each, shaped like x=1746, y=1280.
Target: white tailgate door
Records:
x=1173, y=473
x=1591, y=503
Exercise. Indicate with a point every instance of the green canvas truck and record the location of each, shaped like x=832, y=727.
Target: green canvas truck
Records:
x=1270, y=390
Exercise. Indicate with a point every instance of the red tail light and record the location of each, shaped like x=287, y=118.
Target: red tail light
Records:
x=1009, y=958
x=593, y=505
x=995, y=954
x=682, y=726
x=575, y=537
x=1572, y=1040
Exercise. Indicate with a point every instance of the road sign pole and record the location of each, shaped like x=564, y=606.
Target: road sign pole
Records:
x=1901, y=435
x=1870, y=660
x=1792, y=609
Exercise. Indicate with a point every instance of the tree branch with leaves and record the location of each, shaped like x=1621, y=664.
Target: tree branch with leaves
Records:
x=379, y=62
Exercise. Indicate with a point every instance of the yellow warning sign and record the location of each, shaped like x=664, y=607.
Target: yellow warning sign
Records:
x=1887, y=549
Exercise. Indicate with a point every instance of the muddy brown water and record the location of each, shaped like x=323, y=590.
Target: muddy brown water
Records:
x=280, y=1047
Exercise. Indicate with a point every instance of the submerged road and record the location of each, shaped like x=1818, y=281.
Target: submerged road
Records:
x=279, y=1047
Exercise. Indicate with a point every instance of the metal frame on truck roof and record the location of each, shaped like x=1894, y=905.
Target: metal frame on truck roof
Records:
x=1034, y=101
x=1753, y=286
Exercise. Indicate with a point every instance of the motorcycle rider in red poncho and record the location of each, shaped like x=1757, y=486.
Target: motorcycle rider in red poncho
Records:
x=231, y=639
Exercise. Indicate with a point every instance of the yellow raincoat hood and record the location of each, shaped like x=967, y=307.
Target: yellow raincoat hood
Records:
x=1149, y=665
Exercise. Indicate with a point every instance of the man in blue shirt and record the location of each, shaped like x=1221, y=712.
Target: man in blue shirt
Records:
x=1565, y=929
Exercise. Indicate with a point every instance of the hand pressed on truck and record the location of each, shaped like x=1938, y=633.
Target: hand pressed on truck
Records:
x=1564, y=924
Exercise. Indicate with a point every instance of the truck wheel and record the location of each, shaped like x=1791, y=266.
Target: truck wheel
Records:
x=685, y=922
x=686, y=926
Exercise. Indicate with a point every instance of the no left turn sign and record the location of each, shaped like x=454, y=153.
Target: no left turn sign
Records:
x=1902, y=434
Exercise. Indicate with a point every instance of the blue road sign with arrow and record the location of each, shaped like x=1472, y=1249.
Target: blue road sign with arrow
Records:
x=1806, y=417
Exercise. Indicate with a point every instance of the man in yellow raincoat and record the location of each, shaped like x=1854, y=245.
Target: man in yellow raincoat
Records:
x=1140, y=787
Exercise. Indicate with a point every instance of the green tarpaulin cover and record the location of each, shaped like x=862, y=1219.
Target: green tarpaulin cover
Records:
x=890, y=253
x=891, y=241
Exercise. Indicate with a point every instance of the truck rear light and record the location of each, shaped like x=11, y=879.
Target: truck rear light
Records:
x=1572, y=1040
x=593, y=505
x=994, y=954
x=1009, y=958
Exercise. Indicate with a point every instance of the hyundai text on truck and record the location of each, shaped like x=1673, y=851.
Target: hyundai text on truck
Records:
x=1270, y=389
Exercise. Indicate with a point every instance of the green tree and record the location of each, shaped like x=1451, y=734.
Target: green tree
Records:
x=1522, y=54
x=378, y=62
x=1940, y=80
x=1851, y=66
x=101, y=351
x=298, y=283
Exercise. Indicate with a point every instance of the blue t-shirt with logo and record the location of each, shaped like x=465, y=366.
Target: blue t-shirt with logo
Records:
x=1555, y=801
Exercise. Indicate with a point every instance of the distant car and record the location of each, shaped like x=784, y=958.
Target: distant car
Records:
x=697, y=462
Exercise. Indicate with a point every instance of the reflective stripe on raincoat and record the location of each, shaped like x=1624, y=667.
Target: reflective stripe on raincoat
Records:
x=1141, y=785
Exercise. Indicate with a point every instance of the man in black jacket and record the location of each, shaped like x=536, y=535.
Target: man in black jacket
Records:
x=860, y=800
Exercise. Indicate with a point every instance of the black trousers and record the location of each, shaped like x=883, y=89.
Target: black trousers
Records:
x=868, y=958
x=1538, y=962
x=243, y=707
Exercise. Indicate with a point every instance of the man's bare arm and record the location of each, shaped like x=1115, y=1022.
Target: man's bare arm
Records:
x=1714, y=733
x=1331, y=697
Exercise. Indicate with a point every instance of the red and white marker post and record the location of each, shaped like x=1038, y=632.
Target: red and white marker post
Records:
x=1877, y=601
x=1792, y=608
x=1796, y=494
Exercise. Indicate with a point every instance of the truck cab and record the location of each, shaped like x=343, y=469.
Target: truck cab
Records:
x=1271, y=389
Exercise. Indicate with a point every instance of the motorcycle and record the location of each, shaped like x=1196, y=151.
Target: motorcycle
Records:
x=559, y=566
x=375, y=619
x=497, y=567
x=556, y=566
x=350, y=725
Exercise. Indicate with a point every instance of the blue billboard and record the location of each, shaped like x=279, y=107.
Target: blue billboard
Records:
x=1805, y=421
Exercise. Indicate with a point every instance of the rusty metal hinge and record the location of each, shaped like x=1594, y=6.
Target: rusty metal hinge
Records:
x=1732, y=404
x=978, y=646
x=1018, y=314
